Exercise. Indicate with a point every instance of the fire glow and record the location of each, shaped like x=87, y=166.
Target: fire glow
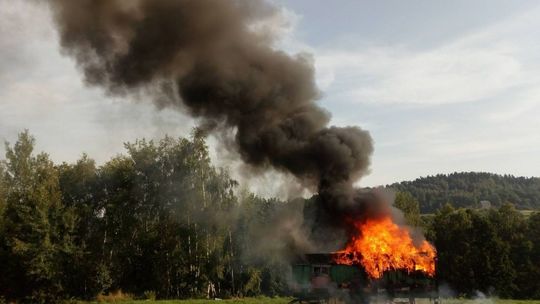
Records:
x=382, y=245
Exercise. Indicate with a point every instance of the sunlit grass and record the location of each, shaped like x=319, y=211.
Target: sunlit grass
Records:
x=258, y=300
x=266, y=300
x=490, y=301
x=481, y=301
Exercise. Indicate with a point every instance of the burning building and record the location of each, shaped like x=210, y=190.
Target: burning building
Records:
x=382, y=245
x=380, y=256
x=321, y=277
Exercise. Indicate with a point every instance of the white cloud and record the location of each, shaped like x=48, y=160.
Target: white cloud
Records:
x=462, y=105
x=524, y=103
x=480, y=65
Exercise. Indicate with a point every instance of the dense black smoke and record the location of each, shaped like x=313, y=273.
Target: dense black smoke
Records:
x=206, y=58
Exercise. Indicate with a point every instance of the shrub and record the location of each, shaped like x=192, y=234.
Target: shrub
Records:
x=114, y=296
x=150, y=295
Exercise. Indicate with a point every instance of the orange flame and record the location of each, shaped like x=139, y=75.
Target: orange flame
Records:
x=382, y=245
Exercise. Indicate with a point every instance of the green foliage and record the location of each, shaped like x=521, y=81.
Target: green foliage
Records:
x=3, y=191
x=410, y=207
x=252, y=285
x=160, y=218
x=162, y=222
x=150, y=295
x=533, y=237
x=486, y=250
x=468, y=189
x=38, y=227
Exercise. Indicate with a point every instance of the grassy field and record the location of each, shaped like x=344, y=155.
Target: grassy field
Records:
x=487, y=301
x=261, y=300
x=264, y=300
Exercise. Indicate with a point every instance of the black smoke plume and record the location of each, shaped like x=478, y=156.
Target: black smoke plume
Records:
x=206, y=57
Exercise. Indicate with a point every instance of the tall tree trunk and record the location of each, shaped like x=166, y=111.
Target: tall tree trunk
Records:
x=231, y=264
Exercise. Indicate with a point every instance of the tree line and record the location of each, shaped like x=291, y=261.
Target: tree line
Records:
x=468, y=189
x=492, y=251
x=155, y=220
x=162, y=220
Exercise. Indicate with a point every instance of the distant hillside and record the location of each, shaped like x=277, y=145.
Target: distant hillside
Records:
x=469, y=188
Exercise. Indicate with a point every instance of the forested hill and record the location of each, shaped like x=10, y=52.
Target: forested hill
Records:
x=468, y=189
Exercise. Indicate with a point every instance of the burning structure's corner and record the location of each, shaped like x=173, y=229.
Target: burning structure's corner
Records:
x=320, y=278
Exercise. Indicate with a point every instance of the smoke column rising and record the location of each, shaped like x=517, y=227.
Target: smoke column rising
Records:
x=203, y=56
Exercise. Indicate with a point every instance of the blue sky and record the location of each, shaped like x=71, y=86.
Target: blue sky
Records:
x=442, y=86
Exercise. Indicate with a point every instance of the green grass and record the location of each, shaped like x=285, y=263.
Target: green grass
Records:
x=265, y=300
x=489, y=301
x=259, y=300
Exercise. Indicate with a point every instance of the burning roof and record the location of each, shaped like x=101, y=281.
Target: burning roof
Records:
x=381, y=245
